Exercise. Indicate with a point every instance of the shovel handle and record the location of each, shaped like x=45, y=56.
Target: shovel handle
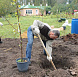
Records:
x=46, y=51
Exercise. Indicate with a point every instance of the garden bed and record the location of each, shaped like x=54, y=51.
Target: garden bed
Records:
x=65, y=58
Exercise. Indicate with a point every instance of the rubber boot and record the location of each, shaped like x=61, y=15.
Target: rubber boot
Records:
x=0, y=40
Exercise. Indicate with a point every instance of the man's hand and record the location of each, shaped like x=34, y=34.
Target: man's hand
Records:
x=49, y=58
x=37, y=31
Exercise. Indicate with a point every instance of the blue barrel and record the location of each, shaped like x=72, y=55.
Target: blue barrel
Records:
x=74, y=26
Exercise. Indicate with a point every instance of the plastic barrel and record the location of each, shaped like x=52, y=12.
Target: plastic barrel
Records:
x=74, y=26
x=22, y=66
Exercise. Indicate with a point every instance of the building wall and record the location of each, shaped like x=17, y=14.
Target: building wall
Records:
x=23, y=12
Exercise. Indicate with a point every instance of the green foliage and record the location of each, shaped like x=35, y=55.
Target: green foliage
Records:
x=60, y=5
x=21, y=60
x=51, y=2
x=6, y=7
x=63, y=7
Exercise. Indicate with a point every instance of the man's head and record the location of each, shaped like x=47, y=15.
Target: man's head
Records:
x=54, y=34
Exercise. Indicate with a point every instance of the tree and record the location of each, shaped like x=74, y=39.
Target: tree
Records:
x=61, y=1
x=17, y=15
x=51, y=2
x=5, y=8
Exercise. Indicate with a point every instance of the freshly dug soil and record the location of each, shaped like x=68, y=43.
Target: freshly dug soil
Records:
x=64, y=56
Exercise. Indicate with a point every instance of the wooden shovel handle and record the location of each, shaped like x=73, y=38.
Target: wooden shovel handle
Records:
x=46, y=51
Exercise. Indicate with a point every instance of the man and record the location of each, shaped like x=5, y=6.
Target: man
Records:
x=46, y=34
x=0, y=37
x=65, y=24
x=1, y=24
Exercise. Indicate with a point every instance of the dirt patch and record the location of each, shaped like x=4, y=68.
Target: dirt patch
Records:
x=64, y=54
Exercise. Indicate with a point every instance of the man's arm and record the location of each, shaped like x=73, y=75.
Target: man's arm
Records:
x=35, y=27
x=49, y=49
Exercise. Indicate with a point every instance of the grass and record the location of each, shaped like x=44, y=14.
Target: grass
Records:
x=6, y=31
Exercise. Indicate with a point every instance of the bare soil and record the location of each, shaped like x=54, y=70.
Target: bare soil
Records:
x=64, y=54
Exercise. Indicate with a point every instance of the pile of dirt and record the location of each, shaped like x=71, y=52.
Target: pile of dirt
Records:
x=64, y=56
x=71, y=37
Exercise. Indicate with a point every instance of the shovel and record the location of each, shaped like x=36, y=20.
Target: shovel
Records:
x=46, y=52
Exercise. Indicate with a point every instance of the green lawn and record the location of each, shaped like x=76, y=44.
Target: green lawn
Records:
x=6, y=31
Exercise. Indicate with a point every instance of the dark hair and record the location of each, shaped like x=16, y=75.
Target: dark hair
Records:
x=56, y=32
